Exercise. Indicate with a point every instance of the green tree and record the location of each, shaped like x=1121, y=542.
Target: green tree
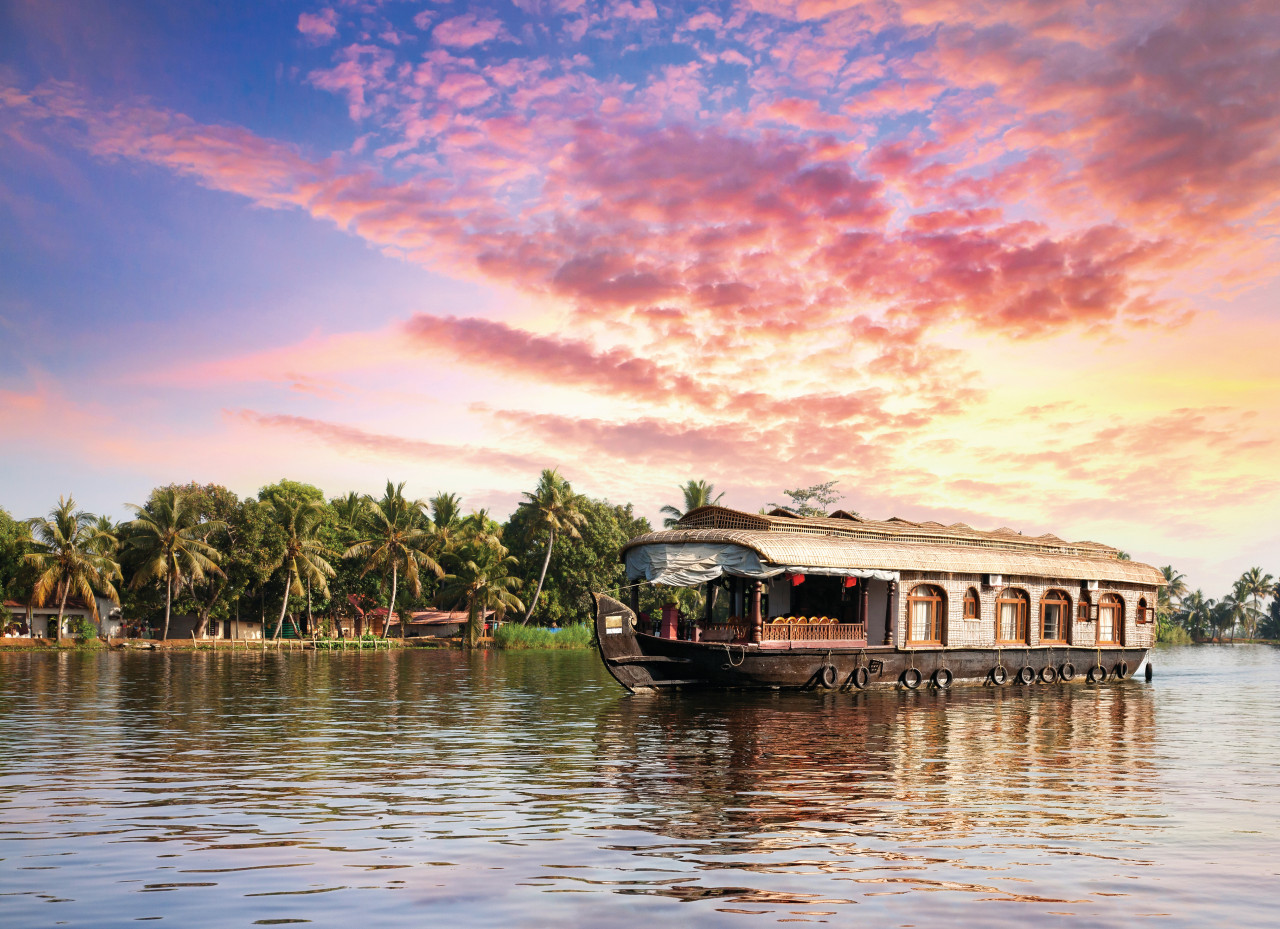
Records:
x=397, y=535
x=578, y=566
x=815, y=500
x=249, y=549
x=67, y=555
x=1194, y=613
x=168, y=538
x=556, y=510
x=1255, y=585
x=480, y=579
x=300, y=521
x=15, y=539
x=696, y=494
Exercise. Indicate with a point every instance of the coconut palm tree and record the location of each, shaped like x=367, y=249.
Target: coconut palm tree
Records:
x=556, y=507
x=1255, y=585
x=1194, y=613
x=168, y=538
x=696, y=494
x=304, y=553
x=480, y=577
x=70, y=557
x=1175, y=587
x=397, y=535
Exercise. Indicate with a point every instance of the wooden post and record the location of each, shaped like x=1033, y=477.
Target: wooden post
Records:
x=865, y=584
x=757, y=621
x=890, y=591
x=635, y=599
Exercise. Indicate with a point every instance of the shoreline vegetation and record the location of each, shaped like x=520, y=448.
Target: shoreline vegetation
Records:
x=288, y=565
x=510, y=637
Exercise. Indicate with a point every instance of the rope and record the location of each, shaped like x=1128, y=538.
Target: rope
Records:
x=728, y=655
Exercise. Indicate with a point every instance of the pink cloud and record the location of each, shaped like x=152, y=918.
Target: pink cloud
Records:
x=319, y=27
x=468, y=29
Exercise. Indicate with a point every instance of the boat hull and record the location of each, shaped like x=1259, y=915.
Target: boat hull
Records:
x=641, y=662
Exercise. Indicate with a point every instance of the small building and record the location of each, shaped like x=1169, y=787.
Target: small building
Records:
x=40, y=622
x=184, y=625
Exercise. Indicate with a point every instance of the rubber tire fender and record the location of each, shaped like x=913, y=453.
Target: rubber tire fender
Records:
x=942, y=678
x=999, y=675
x=911, y=678
x=1049, y=674
x=1027, y=675
x=861, y=677
x=827, y=676
x=1121, y=670
x=1067, y=672
x=1097, y=674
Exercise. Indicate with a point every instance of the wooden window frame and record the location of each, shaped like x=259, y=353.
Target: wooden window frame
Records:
x=1142, y=615
x=971, y=596
x=1084, y=609
x=1064, y=621
x=1023, y=599
x=938, y=598
x=1106, y=601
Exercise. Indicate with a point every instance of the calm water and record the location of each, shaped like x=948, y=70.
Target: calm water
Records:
x=423, y=788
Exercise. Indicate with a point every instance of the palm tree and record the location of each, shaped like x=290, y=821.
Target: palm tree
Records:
x=696, y=494
x=169, y=539
x=304, y=553
x=555, y=507
x=1175, y=587
x=71, y=557
x=480, y=577
x=397, y=534
x=1256, y=585
x=1194, y=613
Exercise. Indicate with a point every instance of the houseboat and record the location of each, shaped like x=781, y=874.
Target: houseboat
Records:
x=842, y=602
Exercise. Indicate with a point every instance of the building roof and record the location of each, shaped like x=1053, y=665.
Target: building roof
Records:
x=845, y=541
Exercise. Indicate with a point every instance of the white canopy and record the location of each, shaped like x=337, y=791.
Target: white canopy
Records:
x=687, y=564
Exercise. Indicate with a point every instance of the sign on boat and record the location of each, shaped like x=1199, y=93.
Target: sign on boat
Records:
x=845, y=602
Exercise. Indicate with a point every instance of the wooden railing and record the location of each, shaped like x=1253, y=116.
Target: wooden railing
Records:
x=723, y=632
x=816, y=632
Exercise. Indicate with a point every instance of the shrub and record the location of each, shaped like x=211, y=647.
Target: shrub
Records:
x=515, y=636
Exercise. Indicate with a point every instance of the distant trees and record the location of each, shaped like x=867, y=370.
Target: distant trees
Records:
x=396, y=536
x=71, y=555
x=696, y=494
x=815, y=500
x=168, y=539
x=304, y=561
x=555, y=509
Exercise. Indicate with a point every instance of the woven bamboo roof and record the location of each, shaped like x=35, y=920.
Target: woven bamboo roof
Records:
x=844, y=541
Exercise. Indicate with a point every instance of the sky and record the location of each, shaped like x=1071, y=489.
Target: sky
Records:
x=1010, y=263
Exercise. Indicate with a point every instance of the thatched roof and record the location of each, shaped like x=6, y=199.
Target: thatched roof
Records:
x=844, y=541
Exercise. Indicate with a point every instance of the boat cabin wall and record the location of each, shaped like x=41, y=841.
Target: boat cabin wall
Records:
x=957, y=631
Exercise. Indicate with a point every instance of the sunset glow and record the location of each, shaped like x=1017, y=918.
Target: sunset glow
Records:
x=1011, y=263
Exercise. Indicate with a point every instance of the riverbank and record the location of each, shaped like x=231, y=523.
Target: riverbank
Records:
x=508, y=637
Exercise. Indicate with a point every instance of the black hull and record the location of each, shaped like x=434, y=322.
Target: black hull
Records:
x=644, y=662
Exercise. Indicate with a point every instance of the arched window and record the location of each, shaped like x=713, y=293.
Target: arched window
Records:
x=1082, y=609
x=926, y=607
x=1011, y=616
x=1110, y=619
x=1055, y=616
x=1144, y=612
x=971, y=603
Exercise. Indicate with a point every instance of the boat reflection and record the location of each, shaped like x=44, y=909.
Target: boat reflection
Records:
x=887, y=789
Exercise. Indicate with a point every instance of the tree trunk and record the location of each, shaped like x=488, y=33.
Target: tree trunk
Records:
x=284, y=605
x=168, y=603
x=473, y=623
x=311, y=629
x=62, y=605
x=204, y=621
x=386, y=627
x=551, y=540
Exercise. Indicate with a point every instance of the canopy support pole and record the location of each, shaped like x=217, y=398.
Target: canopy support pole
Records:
x=757, y=622
x=890, y=592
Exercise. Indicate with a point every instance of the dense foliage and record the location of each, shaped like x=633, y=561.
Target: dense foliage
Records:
x=294, y=560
